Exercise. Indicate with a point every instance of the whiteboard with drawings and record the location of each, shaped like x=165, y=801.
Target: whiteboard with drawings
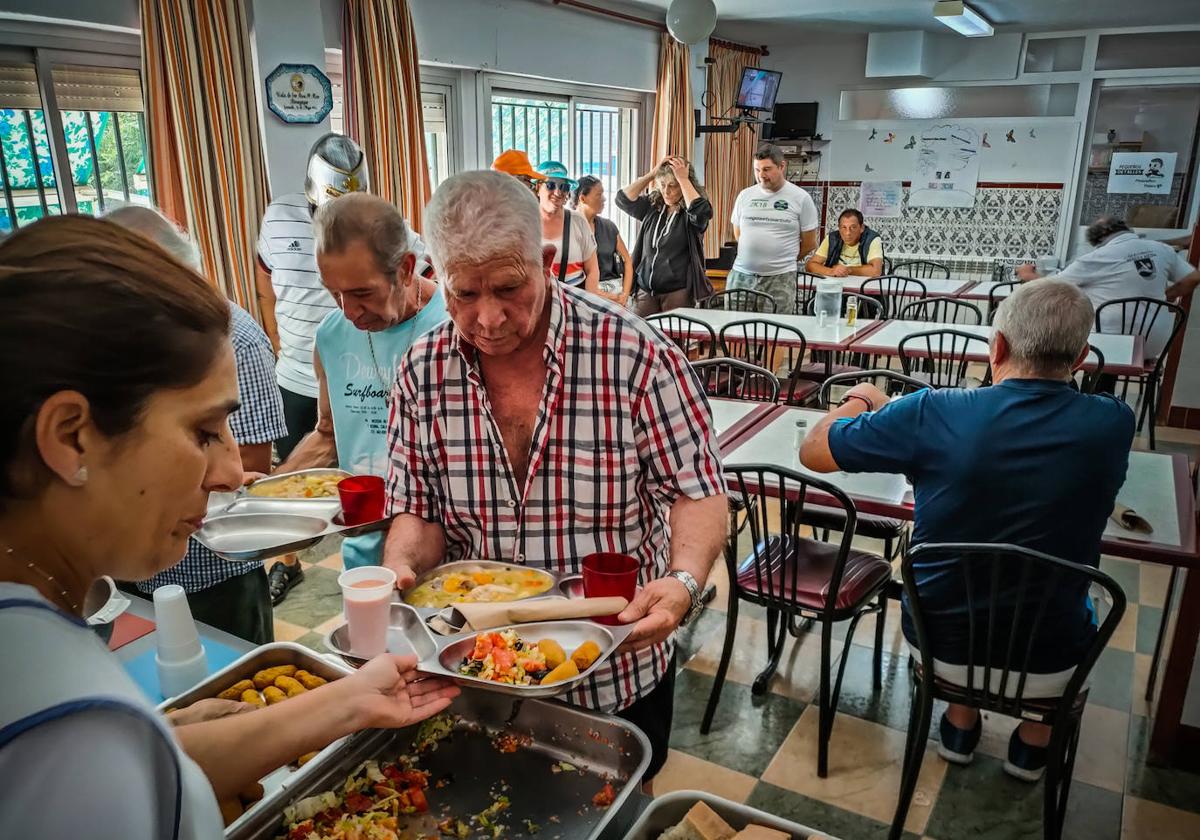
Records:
x=1021, y=151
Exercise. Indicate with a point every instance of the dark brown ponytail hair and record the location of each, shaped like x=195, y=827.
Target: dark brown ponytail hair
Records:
x=88, y=306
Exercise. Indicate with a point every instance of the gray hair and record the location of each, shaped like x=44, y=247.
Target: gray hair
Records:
x=160, y=230
x=1046, y=324
x=477, y=217
x=361, y=217
x=1103, y=228
x=771, y=152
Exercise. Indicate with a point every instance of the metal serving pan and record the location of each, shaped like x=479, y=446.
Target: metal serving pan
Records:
x=562, y=584
x=255, y=529
x=602, y=748
x=267, y=656
x=668, y=810
x=440, y=656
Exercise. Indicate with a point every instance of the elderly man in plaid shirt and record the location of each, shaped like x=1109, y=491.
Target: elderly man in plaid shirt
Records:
x=233, y=597
x=541, y=425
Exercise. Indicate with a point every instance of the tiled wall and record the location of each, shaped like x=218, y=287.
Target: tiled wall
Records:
x=1097, y=201
x=1009, y=222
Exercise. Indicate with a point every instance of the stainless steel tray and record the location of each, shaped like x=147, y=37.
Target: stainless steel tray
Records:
x=256, y=529
x=668, y=810
x=440, y=655
x=279, y=478
x=603, y=748
x=267, y=656
x=563, y=584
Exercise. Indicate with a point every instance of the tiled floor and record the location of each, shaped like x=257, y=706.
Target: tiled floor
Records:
x=762, y=750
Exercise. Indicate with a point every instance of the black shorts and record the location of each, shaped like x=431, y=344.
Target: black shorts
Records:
x=652, y=714
x=241, y=606
x=300, y=414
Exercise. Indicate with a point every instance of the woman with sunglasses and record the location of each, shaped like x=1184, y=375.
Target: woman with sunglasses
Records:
x=568, y=232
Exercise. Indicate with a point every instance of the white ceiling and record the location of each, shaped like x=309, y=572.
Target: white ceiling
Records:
x=773, y=21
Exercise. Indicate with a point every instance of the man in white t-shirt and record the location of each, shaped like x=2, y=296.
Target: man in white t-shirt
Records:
x=775, y=224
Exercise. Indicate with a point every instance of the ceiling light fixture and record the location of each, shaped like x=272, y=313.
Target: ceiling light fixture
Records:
x=962, y=18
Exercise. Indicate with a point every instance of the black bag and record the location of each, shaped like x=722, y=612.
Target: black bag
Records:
x=562, y=249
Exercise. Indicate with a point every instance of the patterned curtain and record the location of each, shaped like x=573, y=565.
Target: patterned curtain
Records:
x=383, y=101
x=205, y=146
x=673, y=122
x=728, y=164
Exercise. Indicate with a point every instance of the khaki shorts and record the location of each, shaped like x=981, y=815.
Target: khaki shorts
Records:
x=781, y=287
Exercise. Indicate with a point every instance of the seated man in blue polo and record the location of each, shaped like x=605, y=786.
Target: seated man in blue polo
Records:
x=1028, y=461
x=853, y=250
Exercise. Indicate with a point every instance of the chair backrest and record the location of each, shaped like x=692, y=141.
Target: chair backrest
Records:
x=893, y=291
x=887, y=265
x=689, y=335
x=765, y=344
x=1088, y=379
x=740, y=300
x=868, y=307
x=893, y=383
x=941, y=310
x=775, y=537
x=941, y=355
x=1140, y=314
x=1006, y=592
x=806, y=290
x=996, y=295
x=738, y=380
x=924, y=269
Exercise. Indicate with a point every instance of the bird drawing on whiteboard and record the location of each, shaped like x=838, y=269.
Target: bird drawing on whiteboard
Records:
x=912, y=142
x=1032, y=135
x=891, y=136
x=869, y=168
x=986, y=144
x=1009, y=137
x=874, y=133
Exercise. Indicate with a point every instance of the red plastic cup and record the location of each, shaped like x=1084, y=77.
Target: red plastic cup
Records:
x=362, y=499
x=607, y=575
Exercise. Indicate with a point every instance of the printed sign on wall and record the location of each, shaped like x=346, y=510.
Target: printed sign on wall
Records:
x=881, y=199
x=299, y=93
x=1141, y=172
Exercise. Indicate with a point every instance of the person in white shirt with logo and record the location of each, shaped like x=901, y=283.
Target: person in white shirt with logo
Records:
x=775, y=224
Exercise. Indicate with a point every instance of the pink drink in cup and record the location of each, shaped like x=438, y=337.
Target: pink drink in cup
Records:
x=362, y=499
x=608, y=574
x=367, y=603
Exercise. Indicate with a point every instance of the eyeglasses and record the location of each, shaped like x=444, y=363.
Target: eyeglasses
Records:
x=561, y=186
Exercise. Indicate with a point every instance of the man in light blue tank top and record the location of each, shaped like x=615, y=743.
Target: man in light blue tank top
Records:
x=364, y=251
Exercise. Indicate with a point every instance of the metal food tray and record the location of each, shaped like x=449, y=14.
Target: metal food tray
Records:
x=259, y=529
x=279, y=478
x=604, y=748
x=439, y=655
x=267, y=656
x=564, y=584
x=669, y=810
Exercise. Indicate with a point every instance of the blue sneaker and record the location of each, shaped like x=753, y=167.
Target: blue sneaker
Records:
x=1024, y=762
x=958, y=745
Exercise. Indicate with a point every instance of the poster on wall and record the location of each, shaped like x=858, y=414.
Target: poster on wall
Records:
x=881, y=199
x=1141, y=172
x=299, y=93
x=947, y=169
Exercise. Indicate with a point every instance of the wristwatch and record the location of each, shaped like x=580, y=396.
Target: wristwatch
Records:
x=694, y=593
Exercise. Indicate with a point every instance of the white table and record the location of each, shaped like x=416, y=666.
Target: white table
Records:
x=934, y=287
x=835, y=335
x=1122, y=353
x=733, y=418
x=981, y=291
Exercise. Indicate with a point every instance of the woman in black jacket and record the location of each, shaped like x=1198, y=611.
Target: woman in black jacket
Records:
x=668, y=258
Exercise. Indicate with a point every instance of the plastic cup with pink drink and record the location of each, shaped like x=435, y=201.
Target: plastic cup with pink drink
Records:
x=367, y=604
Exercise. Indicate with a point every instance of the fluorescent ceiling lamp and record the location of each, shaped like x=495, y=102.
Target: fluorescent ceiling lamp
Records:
x=962, y=18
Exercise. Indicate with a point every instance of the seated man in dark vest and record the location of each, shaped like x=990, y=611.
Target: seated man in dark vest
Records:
x=842, y=252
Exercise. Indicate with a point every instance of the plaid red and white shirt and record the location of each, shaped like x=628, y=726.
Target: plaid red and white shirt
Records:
x=623, y=430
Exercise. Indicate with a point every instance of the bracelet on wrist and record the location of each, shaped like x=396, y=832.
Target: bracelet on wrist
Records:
x=870, y=406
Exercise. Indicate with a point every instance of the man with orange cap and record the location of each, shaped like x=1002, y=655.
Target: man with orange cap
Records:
x=516, y=163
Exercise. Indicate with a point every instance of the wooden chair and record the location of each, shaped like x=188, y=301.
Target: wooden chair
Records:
x=893, y=291
x=766, y=344
x=740, y=300
x=941, y=357
x=922, y=269
x=941, y=310
x=683, y=330
x=736, y=379
x=996, y=296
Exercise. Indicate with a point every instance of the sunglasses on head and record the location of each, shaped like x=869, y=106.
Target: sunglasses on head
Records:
x=561, y=186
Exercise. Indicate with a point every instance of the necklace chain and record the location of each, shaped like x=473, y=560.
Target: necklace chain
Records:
x=49, y=578
x=371, y=341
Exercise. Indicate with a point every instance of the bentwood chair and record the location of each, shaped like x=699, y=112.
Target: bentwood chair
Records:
x=806, y=290
x=1087, y=380
x=695, y=338
x=771, y=346
x=923, y=269
x=799, y=579
x=1007, y=590
x=736, y=379
x=893, y=291
x=887, y=265
x=942, y=356
x=1138, y=316
x=941, y=310
x=740, y=300
x=996, y=296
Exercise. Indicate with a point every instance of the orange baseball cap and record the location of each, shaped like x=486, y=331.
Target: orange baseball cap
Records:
x=515, y=162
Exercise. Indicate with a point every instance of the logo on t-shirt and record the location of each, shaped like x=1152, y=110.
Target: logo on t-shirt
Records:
x=1144, y=266
x=294, y=245
x=781, y=204
x=759, y=204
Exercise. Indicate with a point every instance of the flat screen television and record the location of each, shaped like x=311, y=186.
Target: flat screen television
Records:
x=758, y=89
x=792, y=121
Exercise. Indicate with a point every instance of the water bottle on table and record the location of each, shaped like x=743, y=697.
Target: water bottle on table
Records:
x=827, y=305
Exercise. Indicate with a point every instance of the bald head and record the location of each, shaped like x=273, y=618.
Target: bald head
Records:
x=359, y=217
x=160, y=230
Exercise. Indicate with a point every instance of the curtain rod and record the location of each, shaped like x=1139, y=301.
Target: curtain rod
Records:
x=653, y=24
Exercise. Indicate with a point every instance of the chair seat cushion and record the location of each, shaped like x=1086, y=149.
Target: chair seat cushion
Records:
x=808, y=565
x=815, y=371
x=876, y=527
x=801, y=391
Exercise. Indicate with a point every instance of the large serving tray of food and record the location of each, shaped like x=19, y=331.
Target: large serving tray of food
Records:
x=266, y=675
x=488, y=581
x=488, y=768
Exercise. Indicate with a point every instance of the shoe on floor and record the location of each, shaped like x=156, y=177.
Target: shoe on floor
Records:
x=281, y=578
x=1024, y=762
x=958, y=745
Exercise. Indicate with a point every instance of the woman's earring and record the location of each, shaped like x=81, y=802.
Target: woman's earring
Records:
x=81, y=476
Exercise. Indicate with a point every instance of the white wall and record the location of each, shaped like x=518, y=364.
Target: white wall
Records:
x=286, y=32
x=818, y=71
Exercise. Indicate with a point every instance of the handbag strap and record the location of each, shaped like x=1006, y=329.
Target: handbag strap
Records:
x=562, y=249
